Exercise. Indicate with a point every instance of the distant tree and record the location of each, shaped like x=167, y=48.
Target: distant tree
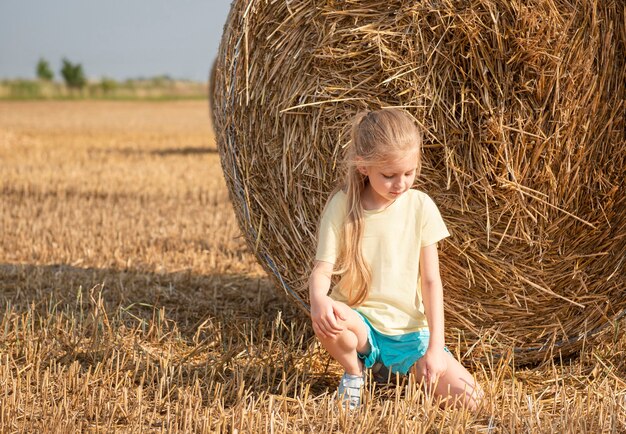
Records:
x=43, y=70
x=108, y=85
x=162, y=80
x=73, y=75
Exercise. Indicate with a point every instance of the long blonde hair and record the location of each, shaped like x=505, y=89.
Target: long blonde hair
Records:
x=377, y=137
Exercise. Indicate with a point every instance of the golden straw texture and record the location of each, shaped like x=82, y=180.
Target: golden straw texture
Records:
x=525, y=151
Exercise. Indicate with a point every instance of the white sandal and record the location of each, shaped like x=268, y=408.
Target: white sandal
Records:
x=349, y=390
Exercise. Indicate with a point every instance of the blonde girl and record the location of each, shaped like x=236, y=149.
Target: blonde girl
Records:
x=380, y=236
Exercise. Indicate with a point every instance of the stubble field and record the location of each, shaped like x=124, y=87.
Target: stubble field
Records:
x=129, y=301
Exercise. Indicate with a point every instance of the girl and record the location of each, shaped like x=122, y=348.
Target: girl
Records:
x=380, y=236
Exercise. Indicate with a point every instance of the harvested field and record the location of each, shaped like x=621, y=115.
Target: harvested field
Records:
x=129, y=301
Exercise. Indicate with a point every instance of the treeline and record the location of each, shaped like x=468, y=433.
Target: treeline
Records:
x=75, y=85
x=72, y=73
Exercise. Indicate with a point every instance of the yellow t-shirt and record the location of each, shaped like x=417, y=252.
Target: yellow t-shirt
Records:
x=392, y=239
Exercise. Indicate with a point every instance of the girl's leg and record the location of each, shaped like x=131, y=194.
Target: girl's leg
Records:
x=457, y=386
x=344, y=346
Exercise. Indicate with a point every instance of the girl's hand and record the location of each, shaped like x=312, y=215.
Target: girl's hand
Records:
x=432, y=365
x=324, y=315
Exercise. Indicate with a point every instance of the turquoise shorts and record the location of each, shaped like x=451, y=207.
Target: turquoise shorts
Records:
x=396, y=353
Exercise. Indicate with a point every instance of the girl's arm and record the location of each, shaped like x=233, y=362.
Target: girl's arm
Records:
x=434, y=361
x=323, y=312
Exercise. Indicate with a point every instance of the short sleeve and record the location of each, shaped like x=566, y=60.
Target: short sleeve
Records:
x=329, y=232
x=433, y=227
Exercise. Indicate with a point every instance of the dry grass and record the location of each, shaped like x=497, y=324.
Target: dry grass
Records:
x=129, y=302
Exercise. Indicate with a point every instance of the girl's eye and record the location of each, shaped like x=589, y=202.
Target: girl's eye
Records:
x=388, y=176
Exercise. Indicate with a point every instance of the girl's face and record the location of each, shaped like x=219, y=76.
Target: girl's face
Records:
x=389, y=182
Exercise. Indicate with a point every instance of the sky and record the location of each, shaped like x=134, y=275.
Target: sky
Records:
x=118, y=39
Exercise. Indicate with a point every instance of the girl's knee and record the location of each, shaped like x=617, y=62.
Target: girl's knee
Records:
x=464, y=391
x=476, y=397
x=456, y=387
x=346, y=339
x=354, y=323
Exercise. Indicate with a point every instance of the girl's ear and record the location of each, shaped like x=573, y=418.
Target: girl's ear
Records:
x=362, y=170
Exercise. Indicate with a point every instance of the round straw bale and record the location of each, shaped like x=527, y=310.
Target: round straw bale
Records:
x=525, y=151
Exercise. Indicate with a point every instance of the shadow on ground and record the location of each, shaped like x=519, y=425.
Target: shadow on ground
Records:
x=187, y=298
x=231, y=328
x=184, y=151
x=165, y=152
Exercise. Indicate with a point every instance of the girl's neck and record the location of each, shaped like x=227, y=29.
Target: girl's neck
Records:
x=370, y=201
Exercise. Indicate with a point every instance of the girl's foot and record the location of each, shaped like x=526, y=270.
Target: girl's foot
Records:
x=349, y=390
